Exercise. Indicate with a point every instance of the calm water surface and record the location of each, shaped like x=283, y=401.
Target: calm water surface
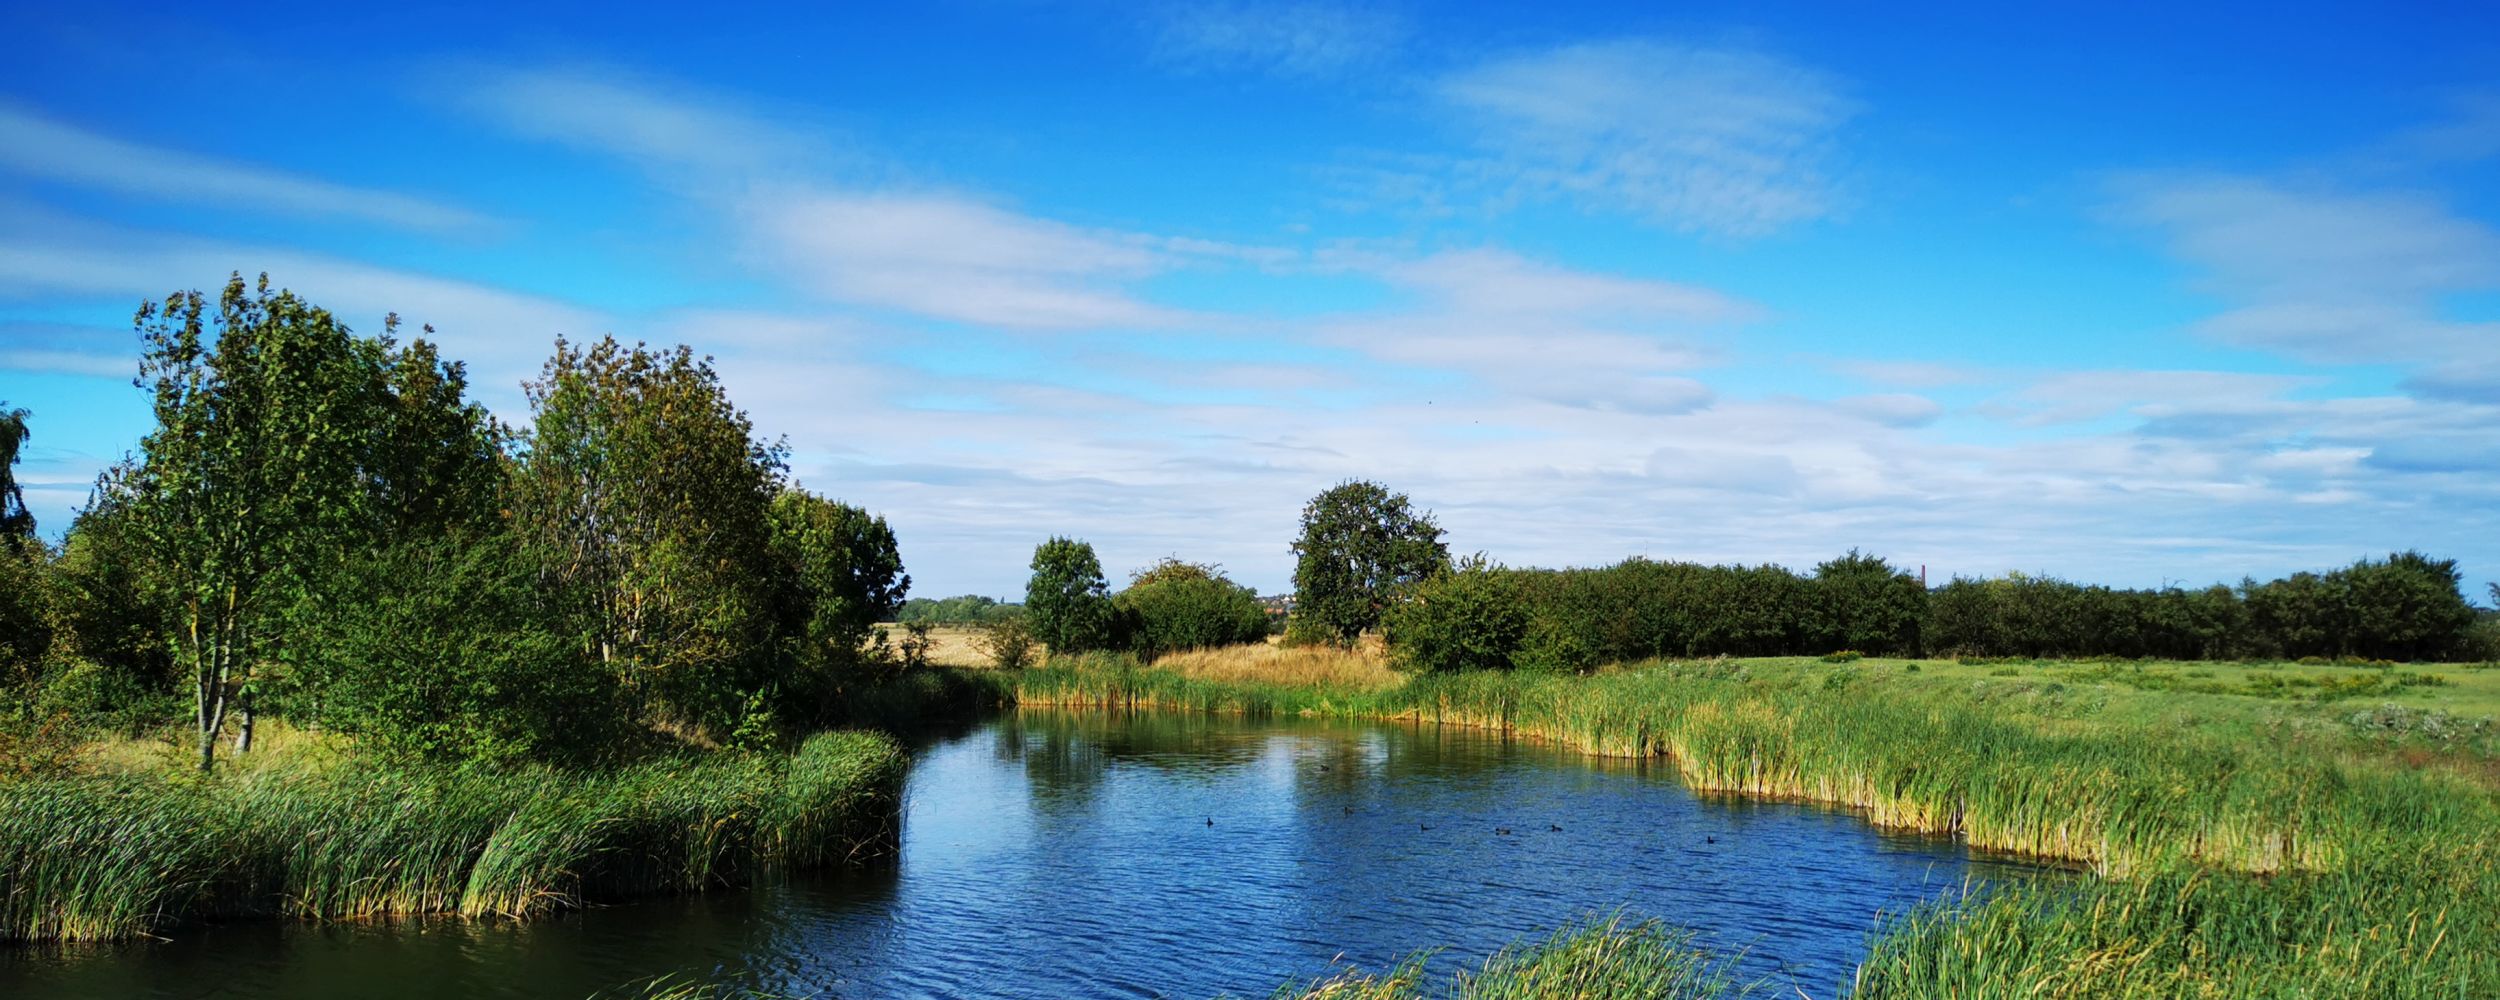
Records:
x=1070, y=855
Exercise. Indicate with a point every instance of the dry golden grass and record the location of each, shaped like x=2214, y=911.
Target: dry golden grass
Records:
x=949, y=645
x=1365, y=667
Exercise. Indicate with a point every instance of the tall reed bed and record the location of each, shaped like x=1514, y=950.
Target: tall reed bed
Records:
x=93, y=859
x=2227, y=868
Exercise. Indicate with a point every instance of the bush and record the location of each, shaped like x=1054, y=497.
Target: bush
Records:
x=1469, y=619
x=1009, y=643
x=446, y=650
x=98, y=696
x=1175, y=605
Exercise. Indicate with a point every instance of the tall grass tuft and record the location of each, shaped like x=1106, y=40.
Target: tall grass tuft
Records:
x=93, y=859
x=1610, y=958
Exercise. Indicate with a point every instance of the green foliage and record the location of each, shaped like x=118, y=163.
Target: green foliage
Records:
x=1863, y=603
x=648, y=497
x=17, y=524
x=839, y=574
x=26, y=615
x=1361, y=546
x=446, y=649
x=282, y=442
x=97, y=697
x=111, y=598
x=1176, y=605
x=1009, y=642
x=1066, y=602
x=1472, y=618
x=966, y=609
x=2406, y=607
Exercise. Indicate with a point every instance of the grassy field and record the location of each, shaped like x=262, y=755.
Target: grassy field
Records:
x=2250, y=830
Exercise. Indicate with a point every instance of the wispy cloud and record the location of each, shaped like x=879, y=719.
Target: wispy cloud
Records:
x=794, y=214
x=1294, y=39
x=1720, y=140
x=502, y=334
x=38, y=146
x=2327, y=275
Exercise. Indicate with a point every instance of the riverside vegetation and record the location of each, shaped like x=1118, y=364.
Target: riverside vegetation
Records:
x=518, y=668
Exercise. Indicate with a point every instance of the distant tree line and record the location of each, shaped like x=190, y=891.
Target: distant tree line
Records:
x=323, y=524
x=966, y=609
x=1170, y=606
x=1481, y=616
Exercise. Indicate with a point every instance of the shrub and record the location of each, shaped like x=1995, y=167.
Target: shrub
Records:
x=1009, y=642
x=444, y=649
x=1175, y=605
x=1470, y=619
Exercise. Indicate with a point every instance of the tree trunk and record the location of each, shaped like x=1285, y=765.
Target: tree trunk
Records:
x=243, y=732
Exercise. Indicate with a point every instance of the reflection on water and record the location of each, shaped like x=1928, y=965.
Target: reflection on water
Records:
x=1105, y=854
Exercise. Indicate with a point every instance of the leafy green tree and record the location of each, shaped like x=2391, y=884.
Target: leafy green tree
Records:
x=1065, y=600
x=1472, y=619
x=648, y=496
x=1361, y=545
x=842, y=572
x=2304, y=614
x=275, y=453
x=1867, y=605
x=2407, y=607
x=963, y=609
x=25, y=624
x=1184, y=605
x=17, y=524
x=446, y=648
x=109, y=593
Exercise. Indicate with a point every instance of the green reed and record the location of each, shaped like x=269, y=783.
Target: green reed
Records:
x=92, y=859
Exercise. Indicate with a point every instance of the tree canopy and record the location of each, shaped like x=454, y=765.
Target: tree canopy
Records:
x=1360, y=545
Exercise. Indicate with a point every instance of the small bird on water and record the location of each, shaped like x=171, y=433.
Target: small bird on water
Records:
x=1502, y=831
x=1210, y=821
x=1553, y=827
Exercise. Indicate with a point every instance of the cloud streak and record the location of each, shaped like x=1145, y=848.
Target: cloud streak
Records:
x=42, y=147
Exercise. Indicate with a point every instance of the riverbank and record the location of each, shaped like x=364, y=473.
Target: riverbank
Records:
x=327, y=836
x=2231, y=859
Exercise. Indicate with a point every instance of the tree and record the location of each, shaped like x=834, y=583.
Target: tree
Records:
x=1475, y=618
x=2408, y=607
x=1867, y=605
x=1185, y=605
x=25, y=624
x=840, y=574
x=648, y=498
x=17, y=525
x=1065, y=600
x=1360, y=545
x=275, y=453
x=445, y=648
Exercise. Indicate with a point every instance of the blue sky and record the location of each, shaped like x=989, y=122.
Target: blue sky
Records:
x=2128, y=296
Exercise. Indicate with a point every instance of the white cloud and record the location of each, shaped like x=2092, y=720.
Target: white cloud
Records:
x=651, y=121
x=952, y=258
x=933, y=253
x=1293, y=39
x=1729, y=141
x=2327, y=276
x=503, y=335
x=41, y=147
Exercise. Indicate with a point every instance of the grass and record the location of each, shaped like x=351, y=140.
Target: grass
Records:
x=1610, y=958
x=2244, y=845
x=124, y=855
x=1363, y=669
